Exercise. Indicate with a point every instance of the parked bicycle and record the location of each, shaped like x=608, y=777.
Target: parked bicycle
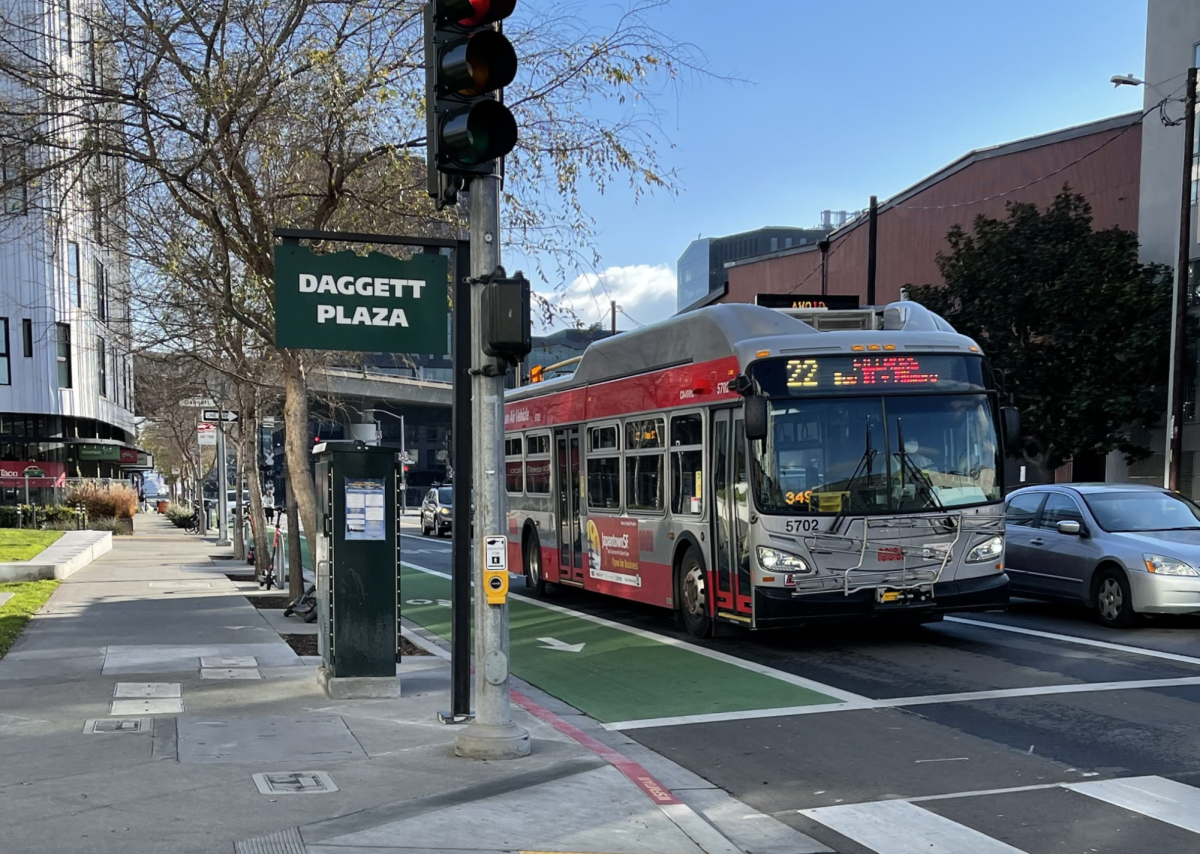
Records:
x=193, y=524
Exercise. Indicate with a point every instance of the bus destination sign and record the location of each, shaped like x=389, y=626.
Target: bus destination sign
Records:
x=833, y=302
x=374, y=303
x=890, y=372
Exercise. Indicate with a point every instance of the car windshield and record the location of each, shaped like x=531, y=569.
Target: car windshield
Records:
x=877, y=455
x=445, y=495
x=1143, y=511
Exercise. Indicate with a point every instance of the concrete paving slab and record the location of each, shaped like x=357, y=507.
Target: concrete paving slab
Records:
x=129, y=690
x=607, y=816
x=167, y=658
x=286, y=625
x=268, y=738
x=132, y=708
x=229, y=673
x=228, y=661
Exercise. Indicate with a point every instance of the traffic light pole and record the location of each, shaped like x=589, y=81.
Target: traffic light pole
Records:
x=1176, y=382
x=492, y=735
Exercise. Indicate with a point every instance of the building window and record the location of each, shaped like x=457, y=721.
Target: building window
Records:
x=74, y=281
x=63, y=338
x=102, y=366
x=27, y=337
x=5, y=375
x=787, y=243
x=101, y=291
x=64, y=24
x=12, y=167
x=774, y=243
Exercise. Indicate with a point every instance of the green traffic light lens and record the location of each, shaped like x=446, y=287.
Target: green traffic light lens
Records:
x=484, y=132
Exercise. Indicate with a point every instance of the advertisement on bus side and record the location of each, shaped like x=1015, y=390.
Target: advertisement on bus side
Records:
x=613, y=550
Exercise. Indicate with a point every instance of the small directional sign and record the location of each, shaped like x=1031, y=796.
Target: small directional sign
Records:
x=495, y=550
x=214, y=415
x=197, y=402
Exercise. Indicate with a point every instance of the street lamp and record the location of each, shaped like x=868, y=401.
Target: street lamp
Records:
x=1175, y=378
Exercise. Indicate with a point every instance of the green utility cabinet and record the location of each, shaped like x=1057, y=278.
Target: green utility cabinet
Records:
x=358, y=561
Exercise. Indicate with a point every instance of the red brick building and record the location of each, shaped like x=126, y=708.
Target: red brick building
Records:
x=1101, y=160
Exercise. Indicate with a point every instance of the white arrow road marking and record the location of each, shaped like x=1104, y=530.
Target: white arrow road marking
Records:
x=554, y=643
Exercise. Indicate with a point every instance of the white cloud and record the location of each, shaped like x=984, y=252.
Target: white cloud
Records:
x=644, y=292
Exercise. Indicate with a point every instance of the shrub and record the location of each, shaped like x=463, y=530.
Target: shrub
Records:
x=179, y=515
x=116, y=500
x=60, y=518
x=119, y=527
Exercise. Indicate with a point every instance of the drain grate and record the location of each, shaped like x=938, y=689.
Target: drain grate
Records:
x=99, y=725
x=295, y=783
x=283, y=842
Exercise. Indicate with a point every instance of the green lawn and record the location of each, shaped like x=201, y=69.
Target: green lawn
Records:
x=22, y=545
x=15, y=613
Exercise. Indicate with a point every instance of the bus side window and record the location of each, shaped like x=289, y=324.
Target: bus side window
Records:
x=687, y=463
x=514, y=466
x=603, y=469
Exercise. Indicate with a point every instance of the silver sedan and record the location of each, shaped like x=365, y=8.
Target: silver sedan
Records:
x=1119, y=549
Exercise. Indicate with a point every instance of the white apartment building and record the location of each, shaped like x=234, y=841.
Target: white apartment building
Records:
x=66, y=370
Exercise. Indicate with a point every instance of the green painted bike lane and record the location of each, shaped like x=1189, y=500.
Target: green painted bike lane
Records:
x=618, y=675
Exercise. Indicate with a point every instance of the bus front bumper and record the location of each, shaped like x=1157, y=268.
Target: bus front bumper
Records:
x=779, y=608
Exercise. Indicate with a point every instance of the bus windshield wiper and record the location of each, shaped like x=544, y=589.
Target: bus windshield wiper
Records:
x=919, y=478
x=868, y=460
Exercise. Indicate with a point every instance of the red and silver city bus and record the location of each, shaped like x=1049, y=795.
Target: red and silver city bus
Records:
x=764, y=467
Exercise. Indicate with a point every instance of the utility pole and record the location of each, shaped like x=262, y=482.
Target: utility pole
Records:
x=492, y=735
x=1179, y=313
x=222, y=489
x=872, y=244
x=613, y=305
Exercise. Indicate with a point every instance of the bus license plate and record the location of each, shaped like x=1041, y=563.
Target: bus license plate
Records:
x=887, y=596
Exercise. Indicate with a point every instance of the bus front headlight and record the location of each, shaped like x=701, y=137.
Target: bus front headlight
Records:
x=987, y=550
x=777, y=561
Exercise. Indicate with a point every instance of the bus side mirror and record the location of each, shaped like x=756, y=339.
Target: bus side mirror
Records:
x=754, y=413
x=1010, y=422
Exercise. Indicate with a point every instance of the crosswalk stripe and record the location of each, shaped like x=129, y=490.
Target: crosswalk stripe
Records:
x=1155, y=797
x=899, y=827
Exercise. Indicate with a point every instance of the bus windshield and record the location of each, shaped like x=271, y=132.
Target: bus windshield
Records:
x=872, y=455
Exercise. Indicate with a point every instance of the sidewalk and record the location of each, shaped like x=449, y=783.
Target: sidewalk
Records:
x=173, y=770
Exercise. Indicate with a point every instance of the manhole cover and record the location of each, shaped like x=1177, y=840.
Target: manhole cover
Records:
x=294, y=783
x=117, y=725
x=229, y=661
x=148, y=689
x=230, y=673
x=146, y=707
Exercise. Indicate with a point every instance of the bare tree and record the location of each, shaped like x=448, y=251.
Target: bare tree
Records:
x=216, y=122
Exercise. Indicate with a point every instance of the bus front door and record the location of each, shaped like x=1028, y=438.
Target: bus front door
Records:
x=570, y=540
x=731, y=517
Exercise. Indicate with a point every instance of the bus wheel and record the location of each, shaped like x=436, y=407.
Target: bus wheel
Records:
x=693, y=595
x=535, y=582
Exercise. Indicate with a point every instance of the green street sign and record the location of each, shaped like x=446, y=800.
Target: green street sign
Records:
x=372, y=304
x=100, y=452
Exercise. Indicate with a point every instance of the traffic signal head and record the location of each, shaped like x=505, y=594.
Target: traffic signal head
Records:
x=467, y=62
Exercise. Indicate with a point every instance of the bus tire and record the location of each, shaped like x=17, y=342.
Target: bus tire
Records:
x=535, y=580
x=693, y=594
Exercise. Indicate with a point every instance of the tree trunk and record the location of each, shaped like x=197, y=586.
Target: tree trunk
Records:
x=239, y=530
x=258, y=519
x=296, y=448
x=295, y=567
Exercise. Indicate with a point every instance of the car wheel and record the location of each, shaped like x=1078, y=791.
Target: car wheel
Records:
x=535, y=582
x=424, y=529
x=441, y=532
x=1113, y=600
x=693, y=595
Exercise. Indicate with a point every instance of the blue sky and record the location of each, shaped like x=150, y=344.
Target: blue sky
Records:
x=844, y=99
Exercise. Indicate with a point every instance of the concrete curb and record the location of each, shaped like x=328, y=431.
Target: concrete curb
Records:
x=72, y=552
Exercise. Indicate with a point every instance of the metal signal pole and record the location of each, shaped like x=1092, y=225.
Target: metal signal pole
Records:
x=492, y=734
x=1178, y=373
x=872, y=248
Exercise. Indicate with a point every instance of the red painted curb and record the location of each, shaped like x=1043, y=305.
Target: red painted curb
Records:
x=638, y=775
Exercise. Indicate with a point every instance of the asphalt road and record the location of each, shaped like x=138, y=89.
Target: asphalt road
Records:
x=1033, y=731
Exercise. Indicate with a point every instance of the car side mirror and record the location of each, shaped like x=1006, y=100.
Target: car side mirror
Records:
x=754, y=414
x=1073, y=528
x=1010, y=423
